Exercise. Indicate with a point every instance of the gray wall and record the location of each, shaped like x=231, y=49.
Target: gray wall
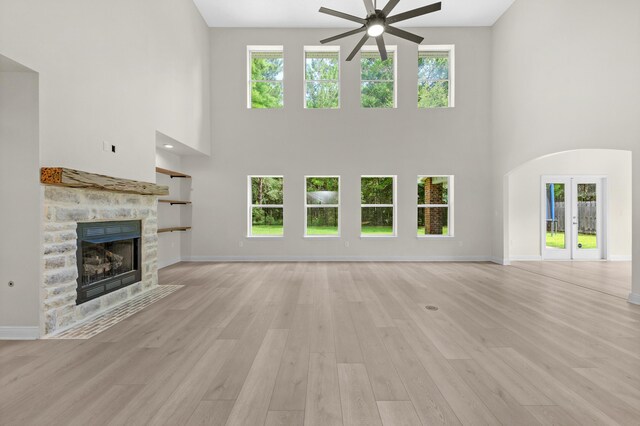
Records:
x=20, y=203
x=348, y=142
x=565, y=76
x=113, y=71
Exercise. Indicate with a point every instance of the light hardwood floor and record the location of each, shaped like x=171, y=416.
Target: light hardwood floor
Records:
x=342, y=344
x=612, y=278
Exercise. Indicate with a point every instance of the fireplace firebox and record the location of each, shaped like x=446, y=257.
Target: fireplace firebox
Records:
x=109, y=258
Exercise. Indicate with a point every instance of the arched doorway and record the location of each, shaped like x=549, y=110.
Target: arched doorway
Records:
x=573, y=205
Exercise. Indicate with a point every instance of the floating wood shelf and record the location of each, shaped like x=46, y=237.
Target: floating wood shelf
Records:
x=172, y=202
x=175, y=229
x=171, y=173
x=60, y=176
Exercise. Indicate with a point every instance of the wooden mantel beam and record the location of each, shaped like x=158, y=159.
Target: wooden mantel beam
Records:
x=60, y=176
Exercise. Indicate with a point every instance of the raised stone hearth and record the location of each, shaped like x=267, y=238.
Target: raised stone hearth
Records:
x=63, y=209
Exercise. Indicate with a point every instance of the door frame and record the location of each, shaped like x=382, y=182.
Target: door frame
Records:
x=570, y=250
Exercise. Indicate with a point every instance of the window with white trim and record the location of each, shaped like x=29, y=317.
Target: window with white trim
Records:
x=377, y=78
x=266, y=206
x=265, y=76
x=378, y=206
x=322, y=77
x=436, y=76
x=435, y=206
x=322, y=205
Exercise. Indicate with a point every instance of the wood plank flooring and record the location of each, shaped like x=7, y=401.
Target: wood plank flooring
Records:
x=346, y=344
x=612, y=278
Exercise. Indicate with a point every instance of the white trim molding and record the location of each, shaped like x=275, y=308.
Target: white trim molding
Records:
x=619, y=258
x=526, y=258
x=20, y=333
x=338, y=259
x=634, y=298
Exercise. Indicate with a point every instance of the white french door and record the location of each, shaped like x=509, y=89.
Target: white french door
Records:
x=572, y=217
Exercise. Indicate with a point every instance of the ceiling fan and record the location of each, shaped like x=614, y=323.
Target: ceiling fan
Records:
x=379, y=22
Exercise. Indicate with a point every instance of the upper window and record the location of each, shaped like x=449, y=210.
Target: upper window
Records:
x=435, y=76
x=266, y=77
x=266, y=211
x=322, y=77
x=378, y=195
x=377, y=78
x=435, y=196
x=323, y=206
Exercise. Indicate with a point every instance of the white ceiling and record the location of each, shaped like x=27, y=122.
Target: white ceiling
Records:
x=304, y=13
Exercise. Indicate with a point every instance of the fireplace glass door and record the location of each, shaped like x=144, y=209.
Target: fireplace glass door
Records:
x=106, y=260
x=109, y=257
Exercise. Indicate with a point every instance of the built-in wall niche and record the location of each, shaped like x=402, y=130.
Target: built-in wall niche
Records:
x=177, y=197
x=174, y=214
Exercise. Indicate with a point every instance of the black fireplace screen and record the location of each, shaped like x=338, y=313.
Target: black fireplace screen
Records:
x=108, y=257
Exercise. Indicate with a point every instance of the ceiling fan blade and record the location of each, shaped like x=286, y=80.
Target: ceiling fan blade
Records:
x=343, y=35
x=343, y=15
x=382, y=48
x=358, y=47
x=414, y=13
x=404, y=34
x=368, y=4
x=389, y=7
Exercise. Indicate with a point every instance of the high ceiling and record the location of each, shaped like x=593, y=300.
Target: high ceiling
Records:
x=304, y=13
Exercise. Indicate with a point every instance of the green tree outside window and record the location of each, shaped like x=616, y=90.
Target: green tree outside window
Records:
x=267, y=206
x=377, y=80
x=267, y=79
x=322, y=80
x=433, y=79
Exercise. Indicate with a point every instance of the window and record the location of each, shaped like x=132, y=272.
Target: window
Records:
x=378, y=78
x=378, y=194
x=435, y=211
x=266, y=201
x=322, y=196
x=322, y=77
x=435, y=76
x=266, y=77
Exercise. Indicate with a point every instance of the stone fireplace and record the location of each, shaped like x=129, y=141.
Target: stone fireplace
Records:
x=99, y=250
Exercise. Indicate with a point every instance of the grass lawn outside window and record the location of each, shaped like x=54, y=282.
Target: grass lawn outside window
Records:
x=557, y=241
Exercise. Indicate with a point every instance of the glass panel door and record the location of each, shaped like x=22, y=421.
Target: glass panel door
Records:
x=556, y=228
x=586, y=218
x=555, y=232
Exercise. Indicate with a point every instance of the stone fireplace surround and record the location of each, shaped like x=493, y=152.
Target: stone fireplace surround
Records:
x=64, y=207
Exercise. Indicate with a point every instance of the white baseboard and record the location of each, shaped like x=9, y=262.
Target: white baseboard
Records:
x=501, y=261
x=338, y=259
x=19, y=333
x=616, y=258
x=634, y=298
x=533, y=258
x=526, y=258
x=168, y=263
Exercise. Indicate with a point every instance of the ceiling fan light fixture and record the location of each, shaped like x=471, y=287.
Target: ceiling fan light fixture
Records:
x=377, y=22
x=375, y=29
